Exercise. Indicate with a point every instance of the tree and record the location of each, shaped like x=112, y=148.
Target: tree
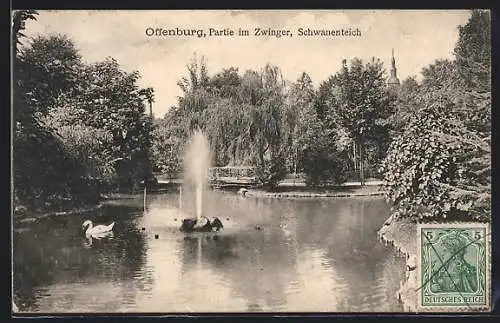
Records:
x=299, y=107
x=440, y=165
x=197, y=76
x=166, y=146
x=19, y=18
x=226, y=83
x=359, y=102
x=89, y=145
x=22, y=110
x=148, y=95
x=241, y=116
x=266, y=127
x=473, y=51
x=108, y=98
x=323, y=98
x=77, y=126
x=438, y=168
x=173, y=131
x=38, y=155
x=52, y=64
x=323, y=157
x=442, y=74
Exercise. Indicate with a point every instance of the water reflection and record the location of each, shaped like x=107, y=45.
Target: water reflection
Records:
x=273, y=255
x=56, y=256
x=247, y=263
x=88, y=240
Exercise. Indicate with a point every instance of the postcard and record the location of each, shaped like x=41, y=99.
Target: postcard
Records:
x=235, y=161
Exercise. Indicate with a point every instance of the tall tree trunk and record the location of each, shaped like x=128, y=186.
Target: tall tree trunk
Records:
x=361, y=162
x=354, y=157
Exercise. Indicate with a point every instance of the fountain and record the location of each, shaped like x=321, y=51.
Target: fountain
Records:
x=196, y=164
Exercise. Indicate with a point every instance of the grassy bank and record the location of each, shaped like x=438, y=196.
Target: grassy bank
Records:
x=321, y=192
x=23, y=216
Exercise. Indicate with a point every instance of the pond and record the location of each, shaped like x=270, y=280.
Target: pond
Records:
x=273, y=255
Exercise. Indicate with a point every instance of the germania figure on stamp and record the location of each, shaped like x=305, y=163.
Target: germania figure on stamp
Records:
x=454, y=262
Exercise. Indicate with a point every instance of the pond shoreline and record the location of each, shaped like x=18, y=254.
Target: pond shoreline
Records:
x=22, y=215
x=326, y=193
x=401, y=233
x=26, y=217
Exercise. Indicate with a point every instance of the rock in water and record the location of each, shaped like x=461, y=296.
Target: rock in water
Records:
x=411, y=263
x=216, y=224
x=203, y=225
x=188, y=225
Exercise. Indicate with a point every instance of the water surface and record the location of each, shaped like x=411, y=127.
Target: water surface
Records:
x=273, y=255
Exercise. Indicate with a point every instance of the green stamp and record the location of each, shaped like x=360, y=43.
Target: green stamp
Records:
x=454, y=267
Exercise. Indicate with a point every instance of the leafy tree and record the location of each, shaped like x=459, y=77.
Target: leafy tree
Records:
x=440, y=165
x=166, y=145
x=404, y=104
x=266, y=127
x=197, y=76
x=442, y=74
x=19, y=18
x=227, y=129
x=438, y=168
x=323, y=98
x=226, y=83
x=110, y=99
x=51, y=64
x=242, y=117
x=77, y=125
x=89, y=145
x=300, y=105
x=323, y=156
x=22, y=111
x=473, y=51
x=38, y=155
x=359, y=104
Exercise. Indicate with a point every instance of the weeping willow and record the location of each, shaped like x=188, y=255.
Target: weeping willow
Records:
x=243, y=118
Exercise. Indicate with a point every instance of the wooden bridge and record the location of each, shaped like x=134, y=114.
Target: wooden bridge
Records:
x=238, y=176
x=241, y=176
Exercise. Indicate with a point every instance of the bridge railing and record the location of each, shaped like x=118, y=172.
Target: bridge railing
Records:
x=238, y=175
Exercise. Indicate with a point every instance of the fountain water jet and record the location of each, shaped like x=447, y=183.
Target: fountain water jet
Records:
x=196, y=165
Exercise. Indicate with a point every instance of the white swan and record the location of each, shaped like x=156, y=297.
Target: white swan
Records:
x=97, y=231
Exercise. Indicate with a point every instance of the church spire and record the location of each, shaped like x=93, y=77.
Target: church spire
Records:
x=393, y=80
x=393, y=61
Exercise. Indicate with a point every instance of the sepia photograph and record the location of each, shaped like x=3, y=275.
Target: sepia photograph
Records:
x=237, y=161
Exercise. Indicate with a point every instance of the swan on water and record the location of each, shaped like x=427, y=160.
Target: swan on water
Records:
x=97, y=231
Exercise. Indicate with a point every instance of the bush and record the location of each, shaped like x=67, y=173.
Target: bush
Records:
x=435, y=170
x=323, y=162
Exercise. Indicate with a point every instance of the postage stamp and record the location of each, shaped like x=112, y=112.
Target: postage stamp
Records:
x=454, y=267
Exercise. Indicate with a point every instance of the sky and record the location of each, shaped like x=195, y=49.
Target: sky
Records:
x=418, y=38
